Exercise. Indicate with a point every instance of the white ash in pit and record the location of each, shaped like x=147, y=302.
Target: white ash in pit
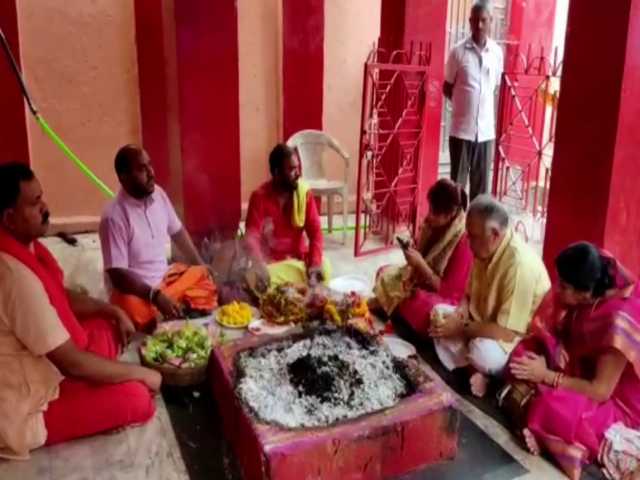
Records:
x=320, y=379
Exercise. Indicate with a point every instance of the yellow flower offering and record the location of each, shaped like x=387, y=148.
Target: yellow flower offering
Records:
x=234, y=315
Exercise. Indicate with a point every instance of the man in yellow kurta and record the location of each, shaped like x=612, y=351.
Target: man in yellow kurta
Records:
x=507, y=283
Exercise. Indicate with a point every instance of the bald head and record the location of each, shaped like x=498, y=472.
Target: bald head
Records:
x=125, y=158
x=134, y=171
x=487, y=224
x=489, y=211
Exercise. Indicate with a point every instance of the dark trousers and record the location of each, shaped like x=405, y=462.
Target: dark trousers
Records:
x=470, y=159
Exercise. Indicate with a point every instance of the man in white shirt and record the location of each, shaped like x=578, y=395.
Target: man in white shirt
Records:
x=472, y=73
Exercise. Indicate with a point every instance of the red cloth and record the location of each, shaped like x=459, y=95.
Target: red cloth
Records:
x=271, y=234
x=84, y=408
x=416, y=310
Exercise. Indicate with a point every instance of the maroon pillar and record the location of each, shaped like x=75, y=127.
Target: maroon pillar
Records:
x=14, y=145
x=594, y=190
x=302, y=65
x=392, y=14
x=155, y=39
x=208, y=89
x=189, y=87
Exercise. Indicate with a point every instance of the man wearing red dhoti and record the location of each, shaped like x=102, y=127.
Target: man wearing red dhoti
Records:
x=59, y=374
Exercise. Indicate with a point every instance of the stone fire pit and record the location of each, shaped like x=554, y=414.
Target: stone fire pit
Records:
x=328, y=405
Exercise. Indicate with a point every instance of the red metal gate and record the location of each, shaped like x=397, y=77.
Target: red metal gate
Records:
x=525, y=135
x=393, y=103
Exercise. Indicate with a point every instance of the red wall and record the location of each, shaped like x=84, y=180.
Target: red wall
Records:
x=14, y=142
x=302, y=65
x=594, y=193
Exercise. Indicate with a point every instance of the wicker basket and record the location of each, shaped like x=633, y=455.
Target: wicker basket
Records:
x=178, y=377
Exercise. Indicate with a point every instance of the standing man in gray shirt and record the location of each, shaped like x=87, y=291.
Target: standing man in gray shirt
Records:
x=472, y=73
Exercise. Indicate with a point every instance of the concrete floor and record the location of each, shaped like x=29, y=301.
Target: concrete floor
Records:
x=152, y=451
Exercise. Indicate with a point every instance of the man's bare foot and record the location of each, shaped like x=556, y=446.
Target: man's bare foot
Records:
x=635, y=475
x=531, y=442
x=373, y=303
x=479, y=383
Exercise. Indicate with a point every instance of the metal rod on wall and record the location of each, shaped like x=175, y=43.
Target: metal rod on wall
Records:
x=45, y=126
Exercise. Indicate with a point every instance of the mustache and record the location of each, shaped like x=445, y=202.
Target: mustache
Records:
x=45, y=217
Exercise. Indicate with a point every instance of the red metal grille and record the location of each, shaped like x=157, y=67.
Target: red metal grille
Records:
x=526, y=132
x=392, y=125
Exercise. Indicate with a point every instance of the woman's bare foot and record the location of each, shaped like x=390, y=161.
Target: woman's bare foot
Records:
x=531, y=442
x=479, y=383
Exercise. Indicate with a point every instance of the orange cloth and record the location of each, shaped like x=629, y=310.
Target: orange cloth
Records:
x=189, y=286
x=29, y=329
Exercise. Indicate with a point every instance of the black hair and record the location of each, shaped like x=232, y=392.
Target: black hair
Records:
x=125, y=156
x=480, y=6
x=277, y=157
x=446, y=197
x=11, y=175
x=582, y=267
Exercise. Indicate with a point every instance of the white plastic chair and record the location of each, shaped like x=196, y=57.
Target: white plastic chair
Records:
x=311, y=145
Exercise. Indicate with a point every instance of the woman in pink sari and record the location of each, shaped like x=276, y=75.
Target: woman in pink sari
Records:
x=437, y=267
x=584, y=358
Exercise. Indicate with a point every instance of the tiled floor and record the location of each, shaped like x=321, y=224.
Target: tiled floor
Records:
x=151, y=452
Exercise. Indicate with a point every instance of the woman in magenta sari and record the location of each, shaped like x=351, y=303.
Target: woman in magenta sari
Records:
x=438, y=266
x=584, y=358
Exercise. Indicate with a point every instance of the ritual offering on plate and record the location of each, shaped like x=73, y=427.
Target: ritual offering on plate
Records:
x=284, y=304
x=349, y=309
x=179, y=351
x=234, y=315
x=297, y=304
